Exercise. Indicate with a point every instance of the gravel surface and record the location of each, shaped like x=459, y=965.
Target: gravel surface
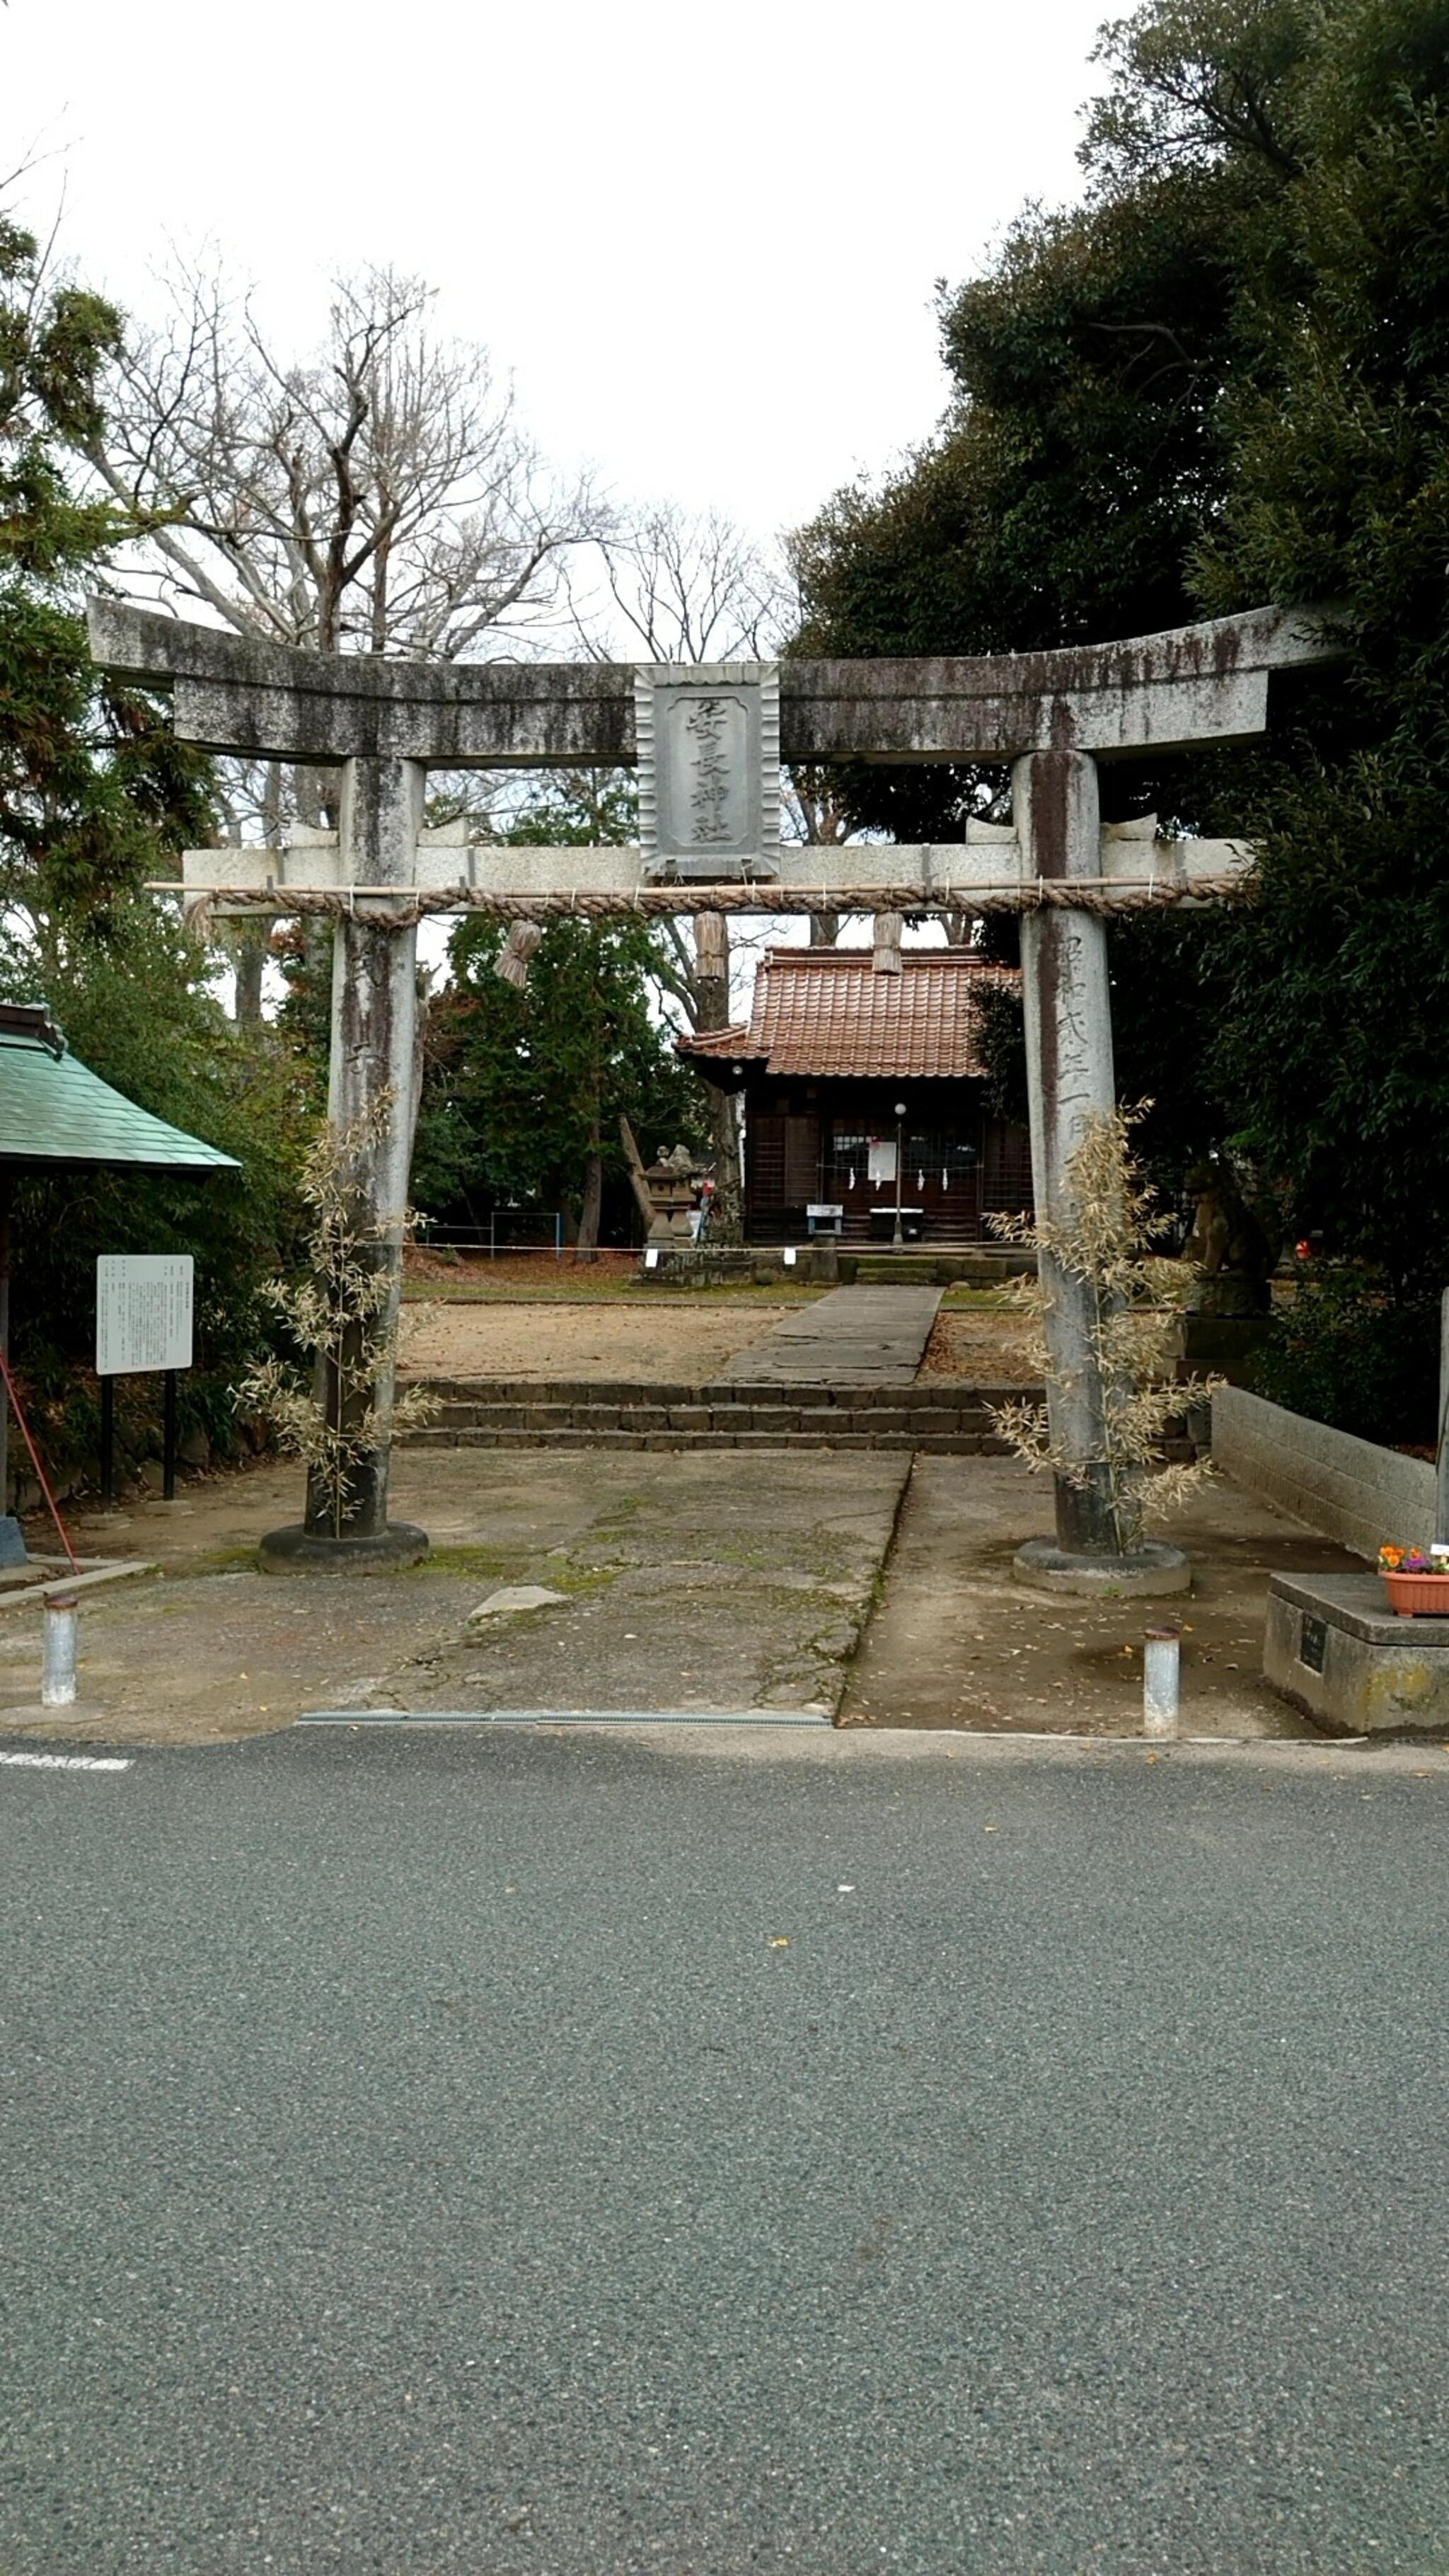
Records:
x=487, y=2153
x=685, y=1345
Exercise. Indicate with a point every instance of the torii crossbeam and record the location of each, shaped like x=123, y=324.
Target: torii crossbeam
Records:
x=708, y=741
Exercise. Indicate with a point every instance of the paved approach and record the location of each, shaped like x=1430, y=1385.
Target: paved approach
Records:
x=581, y=2156
x=852, y=1337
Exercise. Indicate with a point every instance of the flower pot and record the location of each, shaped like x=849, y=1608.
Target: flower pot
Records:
x=1418, y=1596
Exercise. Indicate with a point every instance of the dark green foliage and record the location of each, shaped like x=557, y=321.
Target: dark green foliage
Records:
x=1332, y=1065
x=302, y=954
x=134, y=1010
x=1339, y=978
x=1196, y=83
x=1002, y=1045
x=1061, y=499
x=1225, y=379
x=91, y=782
x=521, y=1087
x=1349, y=1353
x=95, y=797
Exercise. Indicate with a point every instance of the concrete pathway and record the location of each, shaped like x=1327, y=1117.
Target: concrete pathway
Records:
x=716, y=1579
x=853, y=1337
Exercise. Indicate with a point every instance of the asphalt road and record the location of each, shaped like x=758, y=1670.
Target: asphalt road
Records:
x=422, y=2155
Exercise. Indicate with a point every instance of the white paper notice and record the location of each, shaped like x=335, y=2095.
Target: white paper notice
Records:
x=143, y=1312
x=882, y=1164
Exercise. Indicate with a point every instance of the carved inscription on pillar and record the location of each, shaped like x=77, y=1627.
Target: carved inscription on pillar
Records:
x=709, y=769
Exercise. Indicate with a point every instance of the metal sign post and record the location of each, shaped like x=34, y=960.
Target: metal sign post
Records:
x=144, y=1308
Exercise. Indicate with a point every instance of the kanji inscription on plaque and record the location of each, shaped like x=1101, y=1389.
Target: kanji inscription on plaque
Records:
x=143, y=1312
x=709, y=768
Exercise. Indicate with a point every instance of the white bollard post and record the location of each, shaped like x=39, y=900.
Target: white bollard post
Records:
x=57, y=1684
x=1160, y=1673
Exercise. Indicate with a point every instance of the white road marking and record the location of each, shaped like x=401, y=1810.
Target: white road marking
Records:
x=68, y=1761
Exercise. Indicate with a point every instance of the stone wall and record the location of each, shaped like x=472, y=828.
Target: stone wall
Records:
x=942, y=1416
x=1349, y=1489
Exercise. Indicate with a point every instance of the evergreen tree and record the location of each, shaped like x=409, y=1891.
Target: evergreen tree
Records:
x=92, y=784
x=1224, y=379
x=96, y=796
x=524, y=1088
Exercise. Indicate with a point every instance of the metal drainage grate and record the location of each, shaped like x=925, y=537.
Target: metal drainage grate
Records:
x=561, y=1717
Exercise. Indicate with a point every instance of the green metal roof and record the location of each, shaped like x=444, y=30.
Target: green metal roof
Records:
x=52, y=1110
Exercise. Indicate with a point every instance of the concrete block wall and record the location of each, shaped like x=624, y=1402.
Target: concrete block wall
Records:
x=1349, y=1489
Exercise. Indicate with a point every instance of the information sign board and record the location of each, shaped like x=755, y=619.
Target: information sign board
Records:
x=143, y=1312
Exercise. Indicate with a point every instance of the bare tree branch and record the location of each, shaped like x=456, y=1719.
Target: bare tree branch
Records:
x=375, y=496
x=688, y=589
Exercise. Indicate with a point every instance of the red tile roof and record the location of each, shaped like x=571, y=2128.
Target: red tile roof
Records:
x=826, y=1011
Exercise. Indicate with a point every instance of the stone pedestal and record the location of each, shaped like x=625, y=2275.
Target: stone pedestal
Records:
x=1335, y=1650
x=1146, y=1572
x=300, y=1550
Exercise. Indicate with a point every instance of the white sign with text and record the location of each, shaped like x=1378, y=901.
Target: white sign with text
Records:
x=143, y=1312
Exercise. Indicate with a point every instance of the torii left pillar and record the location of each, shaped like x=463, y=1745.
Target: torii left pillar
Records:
x=373, y=1079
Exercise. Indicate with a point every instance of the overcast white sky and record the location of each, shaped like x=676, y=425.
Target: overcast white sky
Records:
x=703, y=240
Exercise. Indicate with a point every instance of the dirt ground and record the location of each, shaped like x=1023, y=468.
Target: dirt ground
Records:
x=685, y=1344
x=984, y=1347
x=958, y=1642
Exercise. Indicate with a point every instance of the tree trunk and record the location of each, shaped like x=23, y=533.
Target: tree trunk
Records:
x=586, y=1249
x=249, y=944
x=726, y=1223
x=824, y=929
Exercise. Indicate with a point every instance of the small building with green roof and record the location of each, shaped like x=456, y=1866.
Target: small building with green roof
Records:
x=55, y=1113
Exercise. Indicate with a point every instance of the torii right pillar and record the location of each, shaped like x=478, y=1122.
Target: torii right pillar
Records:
x=1068, y=1013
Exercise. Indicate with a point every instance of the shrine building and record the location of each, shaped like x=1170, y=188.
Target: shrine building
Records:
x=855, y=1080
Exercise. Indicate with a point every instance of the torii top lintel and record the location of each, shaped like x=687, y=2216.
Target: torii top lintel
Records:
x=1166, y=692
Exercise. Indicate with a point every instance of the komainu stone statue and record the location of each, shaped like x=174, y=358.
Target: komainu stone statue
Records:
x=1229, y=1247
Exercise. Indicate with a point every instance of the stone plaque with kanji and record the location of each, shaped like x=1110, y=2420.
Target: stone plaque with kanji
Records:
x=709, y=769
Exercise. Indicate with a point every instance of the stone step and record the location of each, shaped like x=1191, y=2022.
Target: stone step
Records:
x=963, y=1444
x=948, y=1394
x=940, y=1415
x=933, y=1265
x=825, y=1420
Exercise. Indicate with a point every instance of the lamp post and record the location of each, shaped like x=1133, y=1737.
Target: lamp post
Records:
x=898, y=1236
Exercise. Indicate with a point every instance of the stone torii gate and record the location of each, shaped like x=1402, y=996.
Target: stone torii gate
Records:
x=708, y=741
